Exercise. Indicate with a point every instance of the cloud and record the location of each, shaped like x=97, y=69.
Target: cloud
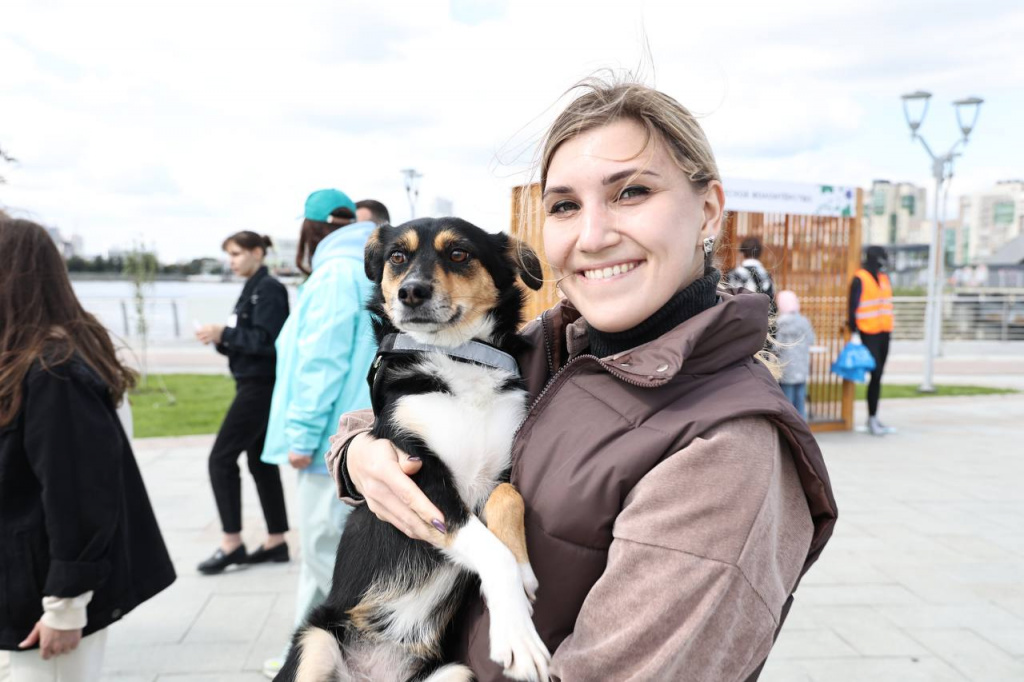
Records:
x=192, y=119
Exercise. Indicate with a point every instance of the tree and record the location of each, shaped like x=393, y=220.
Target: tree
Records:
x=140, y=266
x=78, y=264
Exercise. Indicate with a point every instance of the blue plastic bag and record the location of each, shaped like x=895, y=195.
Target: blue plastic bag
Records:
x=854, y=361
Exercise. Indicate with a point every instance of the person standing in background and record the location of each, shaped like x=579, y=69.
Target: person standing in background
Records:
x=79, y=543
x=751, y=274
x=871, y=316
x=794, y=337
x=323, y=355
x=248, y=341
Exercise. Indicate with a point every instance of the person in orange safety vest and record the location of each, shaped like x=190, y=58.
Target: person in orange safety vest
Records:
x=871, y=317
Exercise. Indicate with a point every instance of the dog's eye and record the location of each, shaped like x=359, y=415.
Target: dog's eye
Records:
x=397, y=258
x=458, y=256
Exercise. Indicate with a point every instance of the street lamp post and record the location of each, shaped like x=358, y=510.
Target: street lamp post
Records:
x=412, y=188
x=915, y=106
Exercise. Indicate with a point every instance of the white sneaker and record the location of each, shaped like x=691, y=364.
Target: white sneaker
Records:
x=875, y=427
x=271, y=667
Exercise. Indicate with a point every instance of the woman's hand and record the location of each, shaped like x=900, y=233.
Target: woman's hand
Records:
x=210, y=333
x=52, y=642
x=380, y=472
x=299, y=462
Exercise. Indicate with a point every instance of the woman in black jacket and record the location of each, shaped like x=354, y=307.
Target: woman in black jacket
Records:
x=79, y=543
x=248, y=341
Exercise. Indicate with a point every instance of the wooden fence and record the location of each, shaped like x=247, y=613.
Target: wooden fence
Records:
x=811, y=255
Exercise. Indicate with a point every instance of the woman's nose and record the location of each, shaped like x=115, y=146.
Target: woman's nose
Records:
x=598, y=230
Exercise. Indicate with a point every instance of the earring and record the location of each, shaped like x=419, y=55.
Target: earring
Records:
x=709, y=246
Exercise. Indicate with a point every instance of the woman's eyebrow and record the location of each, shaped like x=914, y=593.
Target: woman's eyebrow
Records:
x=615, y=177
x=556, y=190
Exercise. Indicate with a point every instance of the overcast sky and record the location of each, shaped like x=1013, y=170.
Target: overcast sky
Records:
x=179, y=122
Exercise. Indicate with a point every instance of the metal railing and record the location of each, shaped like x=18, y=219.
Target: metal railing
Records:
x=965, y=317
x=168, y=318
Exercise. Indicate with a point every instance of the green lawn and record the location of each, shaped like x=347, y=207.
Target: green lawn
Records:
x=910, y=391
x=181, y=404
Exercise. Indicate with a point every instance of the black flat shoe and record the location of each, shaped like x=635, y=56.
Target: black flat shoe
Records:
x=219, y=561
x=274, y=555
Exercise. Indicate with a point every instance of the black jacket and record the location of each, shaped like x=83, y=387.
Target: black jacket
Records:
x=74, y=514
x=259, y=315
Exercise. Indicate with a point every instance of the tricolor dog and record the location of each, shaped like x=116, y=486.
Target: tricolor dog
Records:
x=445, y=387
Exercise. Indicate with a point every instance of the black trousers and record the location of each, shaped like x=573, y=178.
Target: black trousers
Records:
x=878, y=344
x=243, y=430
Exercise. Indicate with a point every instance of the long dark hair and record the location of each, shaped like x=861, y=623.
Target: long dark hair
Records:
x=41, y=319
x=313, y=232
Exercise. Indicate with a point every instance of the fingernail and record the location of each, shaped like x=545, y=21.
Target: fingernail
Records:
x=441, y=528
x=414, y=458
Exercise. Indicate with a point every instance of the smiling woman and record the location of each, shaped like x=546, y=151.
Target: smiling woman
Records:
x=625, y=225
x=673, y=495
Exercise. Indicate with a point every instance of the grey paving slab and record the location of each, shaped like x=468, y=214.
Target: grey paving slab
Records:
x=922, y=580
x=902, y=669
x=1009, y=640
x=237, y=677
x=820, y=643
x=231, y=618
x=975, y=657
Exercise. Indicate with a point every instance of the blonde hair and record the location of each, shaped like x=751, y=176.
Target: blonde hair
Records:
x=607, y=101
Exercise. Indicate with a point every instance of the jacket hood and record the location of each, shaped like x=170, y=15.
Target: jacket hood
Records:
x=347, y=241
x=733, y=330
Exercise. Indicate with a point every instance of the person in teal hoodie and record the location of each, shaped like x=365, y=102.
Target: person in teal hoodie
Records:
x=324, y=352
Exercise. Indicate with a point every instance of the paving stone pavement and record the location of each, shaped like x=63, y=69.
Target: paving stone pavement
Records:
x=922, y=581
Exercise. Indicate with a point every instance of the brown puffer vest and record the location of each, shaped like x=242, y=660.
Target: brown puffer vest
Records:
x=597, y=426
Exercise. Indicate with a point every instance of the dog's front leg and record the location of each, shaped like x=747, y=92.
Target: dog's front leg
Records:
x=515, y=644
x=504, y=514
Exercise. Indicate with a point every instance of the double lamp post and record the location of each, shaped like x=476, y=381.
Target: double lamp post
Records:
x=915, y=106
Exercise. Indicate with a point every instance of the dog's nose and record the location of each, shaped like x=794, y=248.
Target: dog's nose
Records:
x=414, y=293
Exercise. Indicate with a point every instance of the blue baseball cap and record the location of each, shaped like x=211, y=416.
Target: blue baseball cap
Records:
x=321, y=203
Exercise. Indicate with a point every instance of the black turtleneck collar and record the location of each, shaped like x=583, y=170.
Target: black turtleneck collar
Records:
x=700, y=295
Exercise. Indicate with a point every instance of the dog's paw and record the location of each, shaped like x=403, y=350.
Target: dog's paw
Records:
x=515, y=644
x=530, y=583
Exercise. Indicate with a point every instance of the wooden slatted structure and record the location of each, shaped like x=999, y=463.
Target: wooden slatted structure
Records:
x=813, y=256
x=526, y=202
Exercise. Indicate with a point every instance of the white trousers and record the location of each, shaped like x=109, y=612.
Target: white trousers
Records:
x=321, y=519
x=84, y=664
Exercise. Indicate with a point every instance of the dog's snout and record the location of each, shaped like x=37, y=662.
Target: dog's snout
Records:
x=415, y=292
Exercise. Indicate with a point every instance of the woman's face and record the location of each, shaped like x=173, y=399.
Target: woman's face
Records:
x=244, y=262
x=624, y=227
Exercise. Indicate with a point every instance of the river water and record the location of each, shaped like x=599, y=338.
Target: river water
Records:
x=171, y=308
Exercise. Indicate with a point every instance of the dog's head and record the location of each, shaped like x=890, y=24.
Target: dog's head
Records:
x=445, y=281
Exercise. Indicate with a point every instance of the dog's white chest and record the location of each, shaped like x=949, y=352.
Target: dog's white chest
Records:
x=470, y=427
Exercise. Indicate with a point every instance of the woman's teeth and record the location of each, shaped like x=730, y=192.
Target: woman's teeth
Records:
x=605, y=273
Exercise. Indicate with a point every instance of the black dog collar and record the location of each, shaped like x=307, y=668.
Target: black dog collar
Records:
x=472, y=351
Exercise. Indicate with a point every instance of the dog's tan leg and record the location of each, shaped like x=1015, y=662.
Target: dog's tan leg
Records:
x=453, y=672
x=504, y=513
x=319, y=657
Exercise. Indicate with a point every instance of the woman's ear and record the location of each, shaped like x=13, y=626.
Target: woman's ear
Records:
x=714, y=209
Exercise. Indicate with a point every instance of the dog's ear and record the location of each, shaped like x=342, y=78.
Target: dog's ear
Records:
x=373, y=255
x=524, y=260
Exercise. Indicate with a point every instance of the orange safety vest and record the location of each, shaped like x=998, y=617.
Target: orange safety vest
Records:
x=874, y=312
